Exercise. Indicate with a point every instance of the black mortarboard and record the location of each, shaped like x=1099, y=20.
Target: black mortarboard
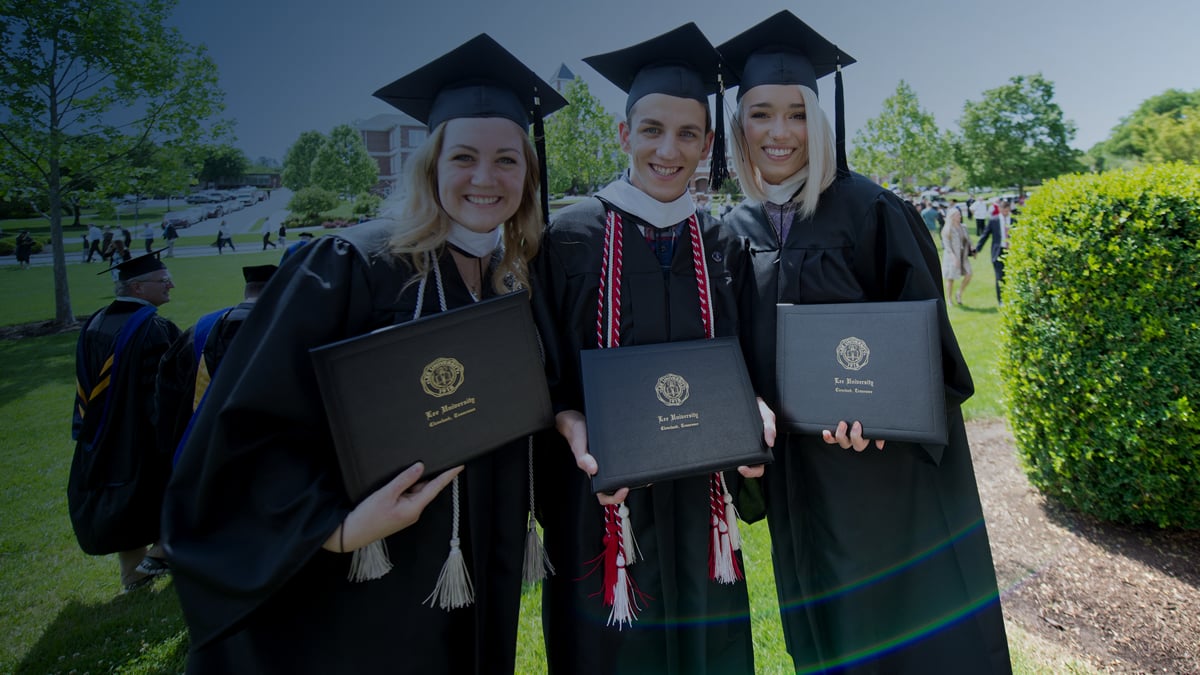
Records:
x=785, y=50
x=136, y=267
x=478, y=79
x=680, y=63
x=258, y=273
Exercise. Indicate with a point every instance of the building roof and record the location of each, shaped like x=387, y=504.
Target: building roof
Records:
x=386, y=121
x=563, y=73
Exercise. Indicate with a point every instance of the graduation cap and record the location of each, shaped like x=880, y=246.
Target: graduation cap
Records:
x=680, y=63
x=785, y=50
x=478, y=79
x=136, y=267
x=258, y=273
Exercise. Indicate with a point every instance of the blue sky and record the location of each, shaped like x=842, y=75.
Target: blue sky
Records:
x=288, y=67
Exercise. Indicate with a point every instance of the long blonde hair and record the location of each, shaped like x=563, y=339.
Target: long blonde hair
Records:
x=822, y=164
x=423, y=225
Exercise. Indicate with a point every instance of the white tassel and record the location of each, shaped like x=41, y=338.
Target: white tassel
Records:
x=724, y=571
x=537, y=562
x=536, y=566
x=731, y=521
x=369, y=562
x=453, y=588
x=624, y=606
x=629, y=543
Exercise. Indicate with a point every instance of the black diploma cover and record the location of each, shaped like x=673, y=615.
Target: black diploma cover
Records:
x=441, y=389
x=671, y=410
x=876, y=362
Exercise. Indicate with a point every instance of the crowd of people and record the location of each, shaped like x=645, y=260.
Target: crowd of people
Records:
x=228, y=479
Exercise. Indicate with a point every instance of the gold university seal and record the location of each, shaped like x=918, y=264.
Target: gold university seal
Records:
x=853, y=353
x=671, y=389
x=442, y=377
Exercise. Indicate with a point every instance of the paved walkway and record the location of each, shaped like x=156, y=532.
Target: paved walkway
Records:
x=238, y=222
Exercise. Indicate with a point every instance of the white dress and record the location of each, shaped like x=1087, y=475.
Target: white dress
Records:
x=956, y=247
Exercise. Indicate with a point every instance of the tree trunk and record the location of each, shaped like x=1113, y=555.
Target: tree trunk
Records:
x=63, y=316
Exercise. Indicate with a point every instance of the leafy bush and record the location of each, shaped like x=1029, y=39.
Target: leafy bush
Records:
x=367, y=204
x=1101, y=355
x=310, y=202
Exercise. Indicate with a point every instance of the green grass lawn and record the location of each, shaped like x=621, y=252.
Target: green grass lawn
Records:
x=63, y=610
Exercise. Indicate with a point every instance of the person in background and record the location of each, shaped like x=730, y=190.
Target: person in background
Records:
x=24, y=249
x=267, y=239
x=118, y=472
x=188, y=367
x=880, y=552
x=998, y=231
x=277, y=570
x=956, y=255
x=148, y=237
x=169, y=236
x=664, y=605
x=980, y=211
x=94, y=236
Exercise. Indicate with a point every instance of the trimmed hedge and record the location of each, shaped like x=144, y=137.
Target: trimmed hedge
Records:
x=1101, y=355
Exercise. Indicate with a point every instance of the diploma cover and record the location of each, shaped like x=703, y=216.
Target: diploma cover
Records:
x=876, y=362
x=671, y=410
x=441, y=389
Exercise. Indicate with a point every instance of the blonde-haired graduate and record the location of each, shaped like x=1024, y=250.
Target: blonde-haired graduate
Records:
x=879, y=547
x=277, y=570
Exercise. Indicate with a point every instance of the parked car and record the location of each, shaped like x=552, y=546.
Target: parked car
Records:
x=185, y=218
x=213, y=210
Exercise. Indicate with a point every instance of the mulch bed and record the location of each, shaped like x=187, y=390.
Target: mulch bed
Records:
x=1123, y=599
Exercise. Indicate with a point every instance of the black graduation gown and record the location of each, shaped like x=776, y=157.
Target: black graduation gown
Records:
x=176, y=385
x=115, y=487
x=257, y=491
x=691, y=624
x=881, y=557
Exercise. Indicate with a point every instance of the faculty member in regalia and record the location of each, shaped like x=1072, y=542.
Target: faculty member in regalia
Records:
x=879, y=547
x=277, y=570
x=637, y=264
x=118, y=473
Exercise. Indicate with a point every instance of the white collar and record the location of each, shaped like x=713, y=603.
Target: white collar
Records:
x=478, y=244
x=782, y=194
x=660, y=215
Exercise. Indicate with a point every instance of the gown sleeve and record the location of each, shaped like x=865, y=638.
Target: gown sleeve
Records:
x=257, y=489
x=903, y=263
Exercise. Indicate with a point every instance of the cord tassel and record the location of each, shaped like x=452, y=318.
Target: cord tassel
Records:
x=620, y=593
x=453, y=589
x=731, y=518
x=536, y=566
x=369, y=562
x=722, y=562
x=632, y=553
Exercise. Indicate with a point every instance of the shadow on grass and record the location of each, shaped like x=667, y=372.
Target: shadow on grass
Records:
x=33, y=362
x=142, y=631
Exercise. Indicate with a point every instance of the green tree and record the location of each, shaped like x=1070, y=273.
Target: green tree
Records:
x=1132, y=137
x=297, y=162
x=1016, y=135
x=86, y=83
x=342, y=164
x=311, y=202
x=903, y=142
x=581, y=143
x=223, y=164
